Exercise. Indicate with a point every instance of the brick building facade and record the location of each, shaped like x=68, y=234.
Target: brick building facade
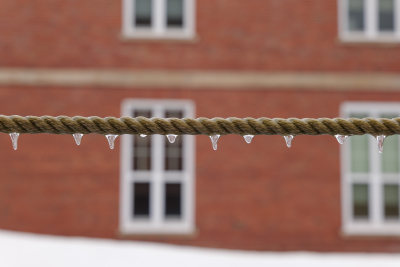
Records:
x=274, y=58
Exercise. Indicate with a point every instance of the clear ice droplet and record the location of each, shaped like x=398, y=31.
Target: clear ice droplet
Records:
x=14, y=140
x=214, y=140
x=341, y=138
x=248, y=138
x=171, y=138
x=288, y=140
x=111, y=140
x=77, y=138
x=380, y=139
x=143, y=135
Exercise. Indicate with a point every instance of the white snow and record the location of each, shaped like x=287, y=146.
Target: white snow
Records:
x=22, y=249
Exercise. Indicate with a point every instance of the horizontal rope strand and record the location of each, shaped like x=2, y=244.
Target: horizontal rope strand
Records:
x=206, y=126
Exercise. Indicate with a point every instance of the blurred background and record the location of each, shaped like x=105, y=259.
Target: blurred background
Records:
x=202, y=58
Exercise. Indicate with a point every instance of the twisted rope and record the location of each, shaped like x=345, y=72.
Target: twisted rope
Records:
x=245, y=126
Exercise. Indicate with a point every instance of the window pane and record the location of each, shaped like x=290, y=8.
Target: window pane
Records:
x=359, y=149
x=143, y=12
x=360, y=201
x=173, y=200
x=391, y=192
x=390, y=156
x=142, y=146
x=175, y=13
x=173, y=158
x=359, y=154
x=386, y=15
x=141, y=200
x=356, y=15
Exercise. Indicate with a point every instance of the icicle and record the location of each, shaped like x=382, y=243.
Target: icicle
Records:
x=77, y=138
x=288, y=140
x=380, y=139
x=171, y=138
x=214, y=140
x=111, y=139
x=248, y=138
x=14, y=140
x=143, y=135
x=341, y=138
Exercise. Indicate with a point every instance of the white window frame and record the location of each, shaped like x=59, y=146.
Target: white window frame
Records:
x=376, y=225
x=157, y=176
x=159, y=29
x=371, y=32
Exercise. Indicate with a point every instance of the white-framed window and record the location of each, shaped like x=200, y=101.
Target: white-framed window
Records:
x=157, y=177
x=170, y=19
x=369, y=20
x=370, y=180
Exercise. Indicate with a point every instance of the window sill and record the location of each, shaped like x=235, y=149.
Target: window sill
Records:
x=154, y=233
x=389, y=41
x=150, y=228
x=385, y=230
x=158, y=38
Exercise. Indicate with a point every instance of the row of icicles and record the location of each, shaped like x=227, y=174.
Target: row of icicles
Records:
x=214, y=139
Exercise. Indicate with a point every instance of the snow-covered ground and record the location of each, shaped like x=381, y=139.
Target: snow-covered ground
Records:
x=21, y=249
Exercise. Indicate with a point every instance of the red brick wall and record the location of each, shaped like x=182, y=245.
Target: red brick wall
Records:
x=298, y=35
x=261, y=196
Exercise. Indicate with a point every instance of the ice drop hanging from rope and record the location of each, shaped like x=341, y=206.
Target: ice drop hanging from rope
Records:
x=341, y=138
x=380, y=139
x=214, y=140
x=288, y=140
x=111, y=140
x=248, y=138
x=171, y=138
x=77, y=138
x=14, y=140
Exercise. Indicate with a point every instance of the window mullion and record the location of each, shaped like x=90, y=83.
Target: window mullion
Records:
x=158, y=193
x=375, y=181
x=398, y=137
x=188, y=185
x=397, y=18
x=346, y=183
x=125, y=184
x=159, y=16
x=371, y=18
